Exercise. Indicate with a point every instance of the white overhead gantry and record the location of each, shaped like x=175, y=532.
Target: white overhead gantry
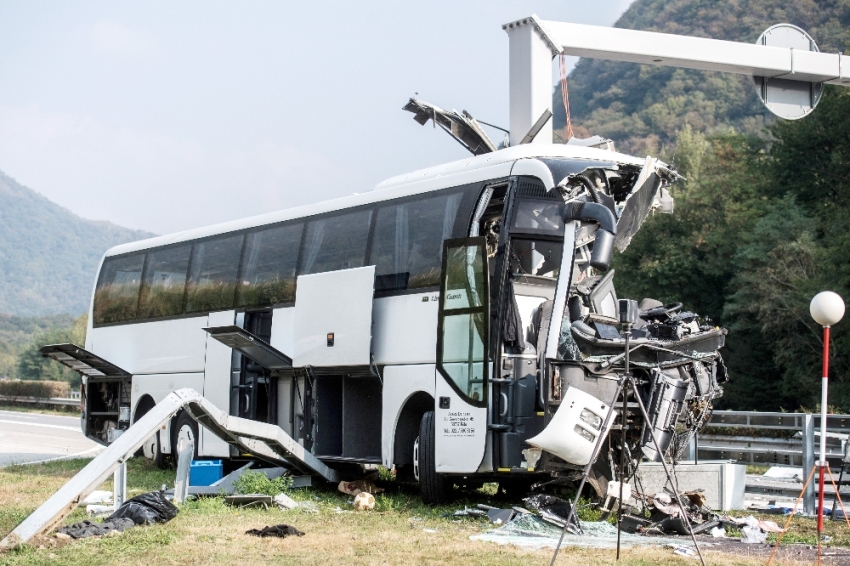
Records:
x=784, y=55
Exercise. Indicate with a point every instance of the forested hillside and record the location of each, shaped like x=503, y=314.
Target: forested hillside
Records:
x=762, y=221
x=48, y=255
x=643, y=107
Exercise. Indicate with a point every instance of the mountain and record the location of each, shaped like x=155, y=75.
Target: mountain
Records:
x=642, y=107
x=49, y=255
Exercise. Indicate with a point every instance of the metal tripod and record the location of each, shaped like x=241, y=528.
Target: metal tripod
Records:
x=623, y=385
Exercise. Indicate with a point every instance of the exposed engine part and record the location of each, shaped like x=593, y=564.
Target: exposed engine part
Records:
x=666, y=401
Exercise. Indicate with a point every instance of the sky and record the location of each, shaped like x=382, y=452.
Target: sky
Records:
x=165, y=116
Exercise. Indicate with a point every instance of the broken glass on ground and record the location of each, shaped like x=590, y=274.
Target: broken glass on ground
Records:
x=533, y=533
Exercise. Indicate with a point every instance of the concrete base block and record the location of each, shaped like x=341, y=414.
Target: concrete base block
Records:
x=722, y=482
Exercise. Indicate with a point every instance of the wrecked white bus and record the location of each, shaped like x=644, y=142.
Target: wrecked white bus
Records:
x=436, y=325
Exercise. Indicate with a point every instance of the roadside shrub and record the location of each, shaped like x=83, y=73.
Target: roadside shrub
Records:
x=39, y=389
x=254, y=482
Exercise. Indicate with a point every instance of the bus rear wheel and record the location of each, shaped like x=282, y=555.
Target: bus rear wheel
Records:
x=435, y=488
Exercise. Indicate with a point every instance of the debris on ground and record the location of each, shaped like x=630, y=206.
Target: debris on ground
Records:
x=85, y=529
x=465, y=512
x=553, y=510
x=718, y=532
x=281, y=531
x=146, y=509
x=283, y=501
x=531, y=532
x=682, y=550
x=366, y=484
x=496, y=515
x=249, y=499
x=364, y=501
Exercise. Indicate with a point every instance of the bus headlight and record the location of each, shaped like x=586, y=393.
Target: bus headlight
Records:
x=591, y=418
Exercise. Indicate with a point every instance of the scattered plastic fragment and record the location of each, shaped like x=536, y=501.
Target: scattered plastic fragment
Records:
x=770, y=527
x=284, y=501
x=753, y=535
x=718, y=532
x=281, y=531
x=682, y=550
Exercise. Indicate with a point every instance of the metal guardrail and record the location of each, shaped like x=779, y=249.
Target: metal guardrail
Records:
x=799, y=451
x=61, y=401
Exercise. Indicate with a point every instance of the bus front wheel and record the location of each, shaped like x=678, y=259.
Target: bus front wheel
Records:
x=435, y=488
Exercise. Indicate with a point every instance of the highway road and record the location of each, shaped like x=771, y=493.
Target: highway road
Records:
x=33, y=437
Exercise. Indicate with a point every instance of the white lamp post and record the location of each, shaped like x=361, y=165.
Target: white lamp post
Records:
x=827, y=308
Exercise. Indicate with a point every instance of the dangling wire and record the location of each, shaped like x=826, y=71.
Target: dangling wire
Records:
x=562, y=63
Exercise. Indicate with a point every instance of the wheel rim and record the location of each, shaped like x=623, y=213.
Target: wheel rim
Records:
x=416, y=458
x=184, y=436
x=149, y=447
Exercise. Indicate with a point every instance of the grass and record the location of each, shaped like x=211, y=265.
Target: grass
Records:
x=41, y=409
x=206, y=531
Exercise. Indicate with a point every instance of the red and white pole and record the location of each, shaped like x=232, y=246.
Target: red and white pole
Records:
x=827, y=308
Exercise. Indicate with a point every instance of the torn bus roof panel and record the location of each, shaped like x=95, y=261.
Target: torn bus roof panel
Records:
x=462, y=127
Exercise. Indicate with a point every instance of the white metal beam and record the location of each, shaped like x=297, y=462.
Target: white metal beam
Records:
x=530, y=82
x=653, y=48
x=533, y=43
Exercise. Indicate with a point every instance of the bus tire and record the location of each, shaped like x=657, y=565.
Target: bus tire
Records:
x=152, y=448
x=435, y=488
x=186, y=427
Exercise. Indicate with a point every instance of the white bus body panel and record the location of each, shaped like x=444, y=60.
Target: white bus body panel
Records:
x=165, y=346
x=159, y=387
x=405, y=330
x=400, y=384
x=216, y=384
x=283, y=330
x=461, y=432
x=338, y=303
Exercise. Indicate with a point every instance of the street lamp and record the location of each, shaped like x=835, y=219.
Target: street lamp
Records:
x=827, y=308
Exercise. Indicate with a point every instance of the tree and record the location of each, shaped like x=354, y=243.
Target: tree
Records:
x=32, y=365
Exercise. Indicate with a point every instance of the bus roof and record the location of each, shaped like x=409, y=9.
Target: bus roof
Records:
x=473, y=169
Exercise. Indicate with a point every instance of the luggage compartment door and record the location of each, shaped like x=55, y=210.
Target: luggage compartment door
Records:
x=333, y=318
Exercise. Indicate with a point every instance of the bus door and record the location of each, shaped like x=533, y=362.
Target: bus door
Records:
x=462, y=360
x=534, y=254
x=257, y=389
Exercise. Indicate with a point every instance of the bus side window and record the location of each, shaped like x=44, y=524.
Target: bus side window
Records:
x=408, y=242
x=117, y=296
x=336, y=242
x=212, y=281
x=164, y=282
x=267, y=276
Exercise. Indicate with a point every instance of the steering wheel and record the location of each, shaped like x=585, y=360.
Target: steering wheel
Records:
x=666, y=312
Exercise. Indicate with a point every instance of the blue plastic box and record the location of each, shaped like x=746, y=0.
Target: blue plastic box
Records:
x=205, y=472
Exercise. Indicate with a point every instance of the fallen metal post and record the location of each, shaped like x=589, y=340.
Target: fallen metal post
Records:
x=264, y=440
x=184, y=463
x=119, y=485
x=69, y=496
